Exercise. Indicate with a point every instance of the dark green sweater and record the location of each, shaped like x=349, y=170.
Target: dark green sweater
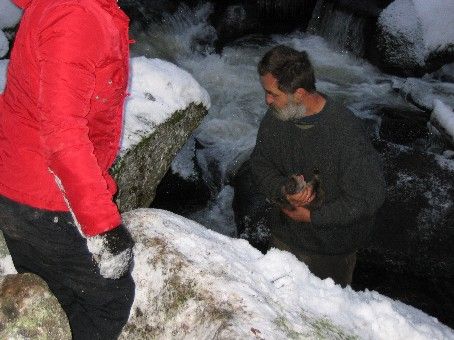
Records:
x=351, y=173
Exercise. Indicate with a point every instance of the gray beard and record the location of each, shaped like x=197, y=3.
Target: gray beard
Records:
x=292, y=112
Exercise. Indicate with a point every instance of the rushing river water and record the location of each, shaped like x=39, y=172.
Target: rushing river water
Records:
x=228, y=132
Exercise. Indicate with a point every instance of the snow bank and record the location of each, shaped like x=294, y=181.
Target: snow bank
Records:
x=192, y=282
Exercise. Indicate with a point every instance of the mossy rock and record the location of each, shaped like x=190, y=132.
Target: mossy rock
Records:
x=140, y=170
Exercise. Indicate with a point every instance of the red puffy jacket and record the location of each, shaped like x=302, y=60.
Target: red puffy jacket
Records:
x=61, y=111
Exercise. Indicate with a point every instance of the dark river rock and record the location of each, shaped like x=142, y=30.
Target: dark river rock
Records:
x=415, y=227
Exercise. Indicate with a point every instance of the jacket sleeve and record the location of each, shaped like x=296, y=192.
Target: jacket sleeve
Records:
x=70, y=44
x=361, y=183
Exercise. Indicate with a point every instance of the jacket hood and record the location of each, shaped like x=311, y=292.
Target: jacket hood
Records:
x=22, y=3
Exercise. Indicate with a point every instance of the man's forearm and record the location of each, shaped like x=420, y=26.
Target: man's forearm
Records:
x=299, y=214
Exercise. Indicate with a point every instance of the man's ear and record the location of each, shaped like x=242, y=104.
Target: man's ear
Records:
x=300, y=95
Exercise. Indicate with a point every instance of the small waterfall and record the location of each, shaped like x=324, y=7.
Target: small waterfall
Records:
x=342, y=30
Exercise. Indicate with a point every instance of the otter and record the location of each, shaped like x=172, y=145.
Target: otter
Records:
x=295, y=184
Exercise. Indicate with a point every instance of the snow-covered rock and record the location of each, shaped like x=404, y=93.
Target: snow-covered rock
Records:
x=194, y=283
x=165, y=106
x=139, y=171
x=415, y=36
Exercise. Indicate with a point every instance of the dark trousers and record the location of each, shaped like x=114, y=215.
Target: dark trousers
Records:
x=48, y=244
x=337, y=267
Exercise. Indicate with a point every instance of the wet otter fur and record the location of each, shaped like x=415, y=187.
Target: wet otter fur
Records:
x=296, y=184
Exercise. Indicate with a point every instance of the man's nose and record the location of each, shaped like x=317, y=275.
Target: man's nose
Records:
x=268, y=99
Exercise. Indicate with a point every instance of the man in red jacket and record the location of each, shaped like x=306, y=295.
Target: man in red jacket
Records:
x=60, y=125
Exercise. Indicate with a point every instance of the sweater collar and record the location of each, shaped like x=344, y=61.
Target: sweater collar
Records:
x=307, y=122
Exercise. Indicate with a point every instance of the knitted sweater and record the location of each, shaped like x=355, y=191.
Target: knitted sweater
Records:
x=351, y=172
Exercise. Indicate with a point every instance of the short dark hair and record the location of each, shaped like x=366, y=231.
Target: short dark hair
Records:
x=290, y=67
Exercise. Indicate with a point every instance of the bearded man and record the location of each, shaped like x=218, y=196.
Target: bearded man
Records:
x=306, y=131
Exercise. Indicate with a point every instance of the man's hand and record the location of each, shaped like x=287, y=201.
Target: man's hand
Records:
x=112, y=252
x=298, y=202
x=299, y=214
x=302, y=198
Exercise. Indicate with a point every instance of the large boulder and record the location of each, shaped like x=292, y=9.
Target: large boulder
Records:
x=139, y=171
x=186, y=287
x=165, y=106
x=193, y=283
x=415, y=227
x=28, y=310
x=416, y=46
